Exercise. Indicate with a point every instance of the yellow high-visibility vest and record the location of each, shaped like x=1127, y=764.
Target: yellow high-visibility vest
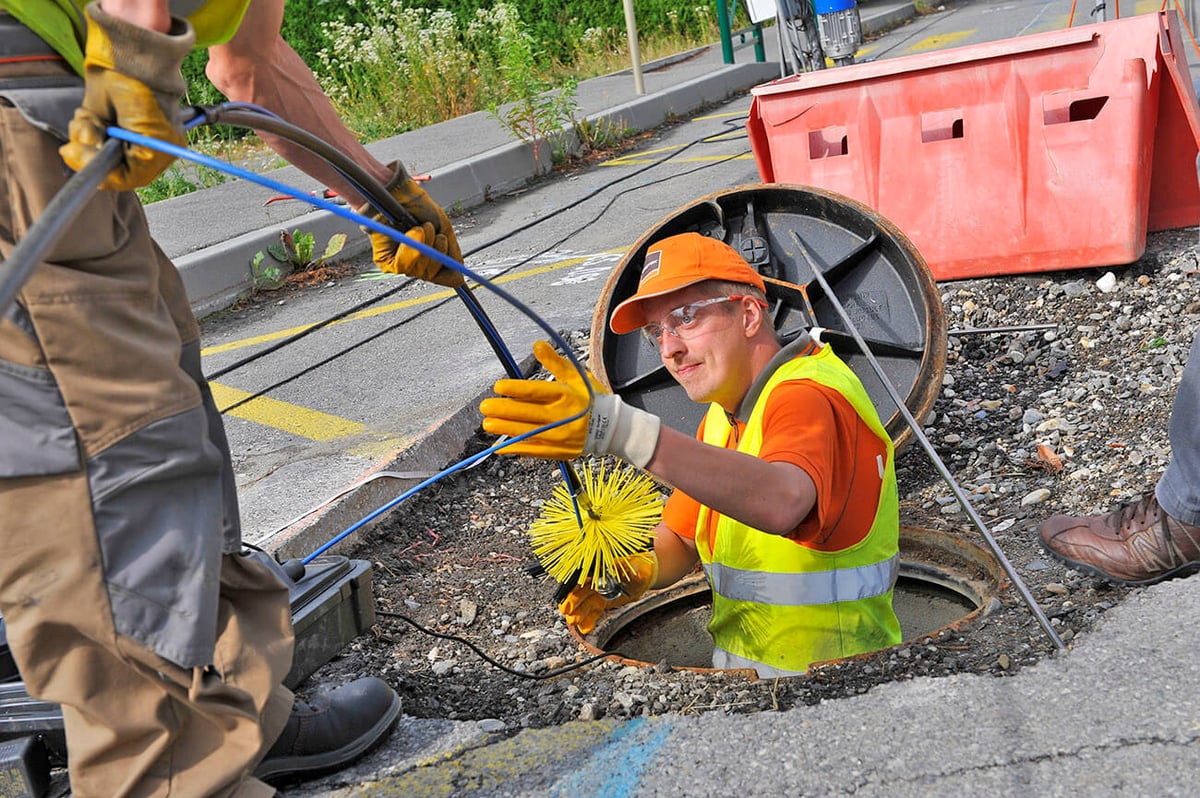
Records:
x=779, y=606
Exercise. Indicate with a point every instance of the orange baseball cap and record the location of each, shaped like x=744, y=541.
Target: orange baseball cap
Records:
x=677, y=262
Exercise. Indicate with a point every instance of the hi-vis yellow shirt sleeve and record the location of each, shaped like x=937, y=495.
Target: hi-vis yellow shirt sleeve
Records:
x=61, y=24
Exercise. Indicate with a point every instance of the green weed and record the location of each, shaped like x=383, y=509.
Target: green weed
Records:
x=296, y=251
x=179, y=179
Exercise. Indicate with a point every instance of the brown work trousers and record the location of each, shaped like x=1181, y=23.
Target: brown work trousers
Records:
x=136, y=723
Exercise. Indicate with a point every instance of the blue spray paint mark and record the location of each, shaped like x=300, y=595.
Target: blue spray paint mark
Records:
x=615, y=770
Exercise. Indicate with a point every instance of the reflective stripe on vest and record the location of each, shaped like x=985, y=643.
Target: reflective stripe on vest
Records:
x=727, y=660
x=778, y=605
x=801, y=589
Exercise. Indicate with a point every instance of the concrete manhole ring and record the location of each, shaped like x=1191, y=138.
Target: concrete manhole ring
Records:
x=945, y=582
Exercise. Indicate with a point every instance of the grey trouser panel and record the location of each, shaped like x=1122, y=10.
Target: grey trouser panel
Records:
x=1179, y=489
x=100, y=372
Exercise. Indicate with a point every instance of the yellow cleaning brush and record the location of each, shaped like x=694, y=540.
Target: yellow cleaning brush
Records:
x=619, y=508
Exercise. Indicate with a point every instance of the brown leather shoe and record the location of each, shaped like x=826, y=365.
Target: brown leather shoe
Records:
x=1138, y=544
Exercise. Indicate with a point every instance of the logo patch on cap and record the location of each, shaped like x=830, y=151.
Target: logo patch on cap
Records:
x=650, y=268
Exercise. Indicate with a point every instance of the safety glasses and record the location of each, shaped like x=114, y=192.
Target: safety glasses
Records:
x=685, y=322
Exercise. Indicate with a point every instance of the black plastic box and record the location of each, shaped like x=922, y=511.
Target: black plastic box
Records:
x=333, y=604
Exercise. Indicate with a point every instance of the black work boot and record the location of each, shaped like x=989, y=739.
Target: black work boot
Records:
x=333, y=731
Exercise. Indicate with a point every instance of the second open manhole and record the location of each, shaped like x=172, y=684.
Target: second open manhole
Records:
x=943, y=582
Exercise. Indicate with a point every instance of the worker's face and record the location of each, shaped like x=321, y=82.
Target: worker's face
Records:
x=711, y=359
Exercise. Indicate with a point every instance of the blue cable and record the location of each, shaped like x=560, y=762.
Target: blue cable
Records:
x=481, y=319
x=346, y=213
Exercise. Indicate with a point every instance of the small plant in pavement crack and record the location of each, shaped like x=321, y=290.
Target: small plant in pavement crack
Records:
x=296, y=251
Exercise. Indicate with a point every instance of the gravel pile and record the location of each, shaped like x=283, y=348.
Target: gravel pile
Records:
x=1070, y=417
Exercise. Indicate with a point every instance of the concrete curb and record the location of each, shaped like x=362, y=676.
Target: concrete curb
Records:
x=883, y=20
x=427, y=454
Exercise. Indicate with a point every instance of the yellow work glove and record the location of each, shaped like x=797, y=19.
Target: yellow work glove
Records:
x=131, y=80
x=633, y=574
x=612, y=427
x=435, y=231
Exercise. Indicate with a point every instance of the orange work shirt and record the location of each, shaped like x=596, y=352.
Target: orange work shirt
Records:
x=815, y=428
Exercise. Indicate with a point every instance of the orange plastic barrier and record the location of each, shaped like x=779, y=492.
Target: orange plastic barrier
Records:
x=1050, y=151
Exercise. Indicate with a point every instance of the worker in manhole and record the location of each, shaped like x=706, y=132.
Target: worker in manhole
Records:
x=126, y=592
x=787, y=494
x=1158, y=536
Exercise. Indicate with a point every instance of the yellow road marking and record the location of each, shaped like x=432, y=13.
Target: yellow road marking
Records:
x=317, y=426
x=939, y=41
x=302, y=421
x=277, y=335
x=725, y=115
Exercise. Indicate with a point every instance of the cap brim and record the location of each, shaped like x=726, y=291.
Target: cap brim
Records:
x=628, y=316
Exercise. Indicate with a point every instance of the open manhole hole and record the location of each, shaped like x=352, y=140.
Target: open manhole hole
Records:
x=944, y=581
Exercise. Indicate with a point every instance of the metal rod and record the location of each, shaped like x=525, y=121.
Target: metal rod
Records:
x=937, y=461
x=1007, y=329
x=62, y=210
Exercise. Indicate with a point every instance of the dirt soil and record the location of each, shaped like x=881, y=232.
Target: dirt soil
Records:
x=1070, y=418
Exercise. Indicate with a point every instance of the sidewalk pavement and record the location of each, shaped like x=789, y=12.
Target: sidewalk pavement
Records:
x=1118, y=719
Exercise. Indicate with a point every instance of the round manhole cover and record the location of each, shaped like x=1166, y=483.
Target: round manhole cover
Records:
x=785, y=232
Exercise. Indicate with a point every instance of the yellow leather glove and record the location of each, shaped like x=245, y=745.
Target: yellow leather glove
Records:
x=435, y=231
x=132, y=80
x=633, y=574
x=612, y=427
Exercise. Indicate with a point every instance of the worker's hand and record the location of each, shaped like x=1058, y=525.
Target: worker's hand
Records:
x=434, y=231
x=132, y=80
x=612, y=427
x=631, y=577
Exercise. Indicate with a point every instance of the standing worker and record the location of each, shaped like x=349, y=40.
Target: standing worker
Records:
x=787, y=495
x=123, y=586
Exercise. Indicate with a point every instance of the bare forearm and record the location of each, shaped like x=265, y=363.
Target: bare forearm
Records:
x=773, y=497
x=258, y=66
x=676, y=556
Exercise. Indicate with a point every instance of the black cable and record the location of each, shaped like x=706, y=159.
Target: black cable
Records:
x=428, y=308
x=309, y=330
x=524, y=675
x=368, y=302
x=327, y=360
x=67, y=204
x=581, y=200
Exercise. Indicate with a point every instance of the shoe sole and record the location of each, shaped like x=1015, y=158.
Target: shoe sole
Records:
x=1187, y=569
x=299, y=768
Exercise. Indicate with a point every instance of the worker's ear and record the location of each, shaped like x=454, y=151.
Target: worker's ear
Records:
x=753, y=318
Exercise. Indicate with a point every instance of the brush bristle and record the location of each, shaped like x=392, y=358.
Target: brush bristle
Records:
x=628, y=505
